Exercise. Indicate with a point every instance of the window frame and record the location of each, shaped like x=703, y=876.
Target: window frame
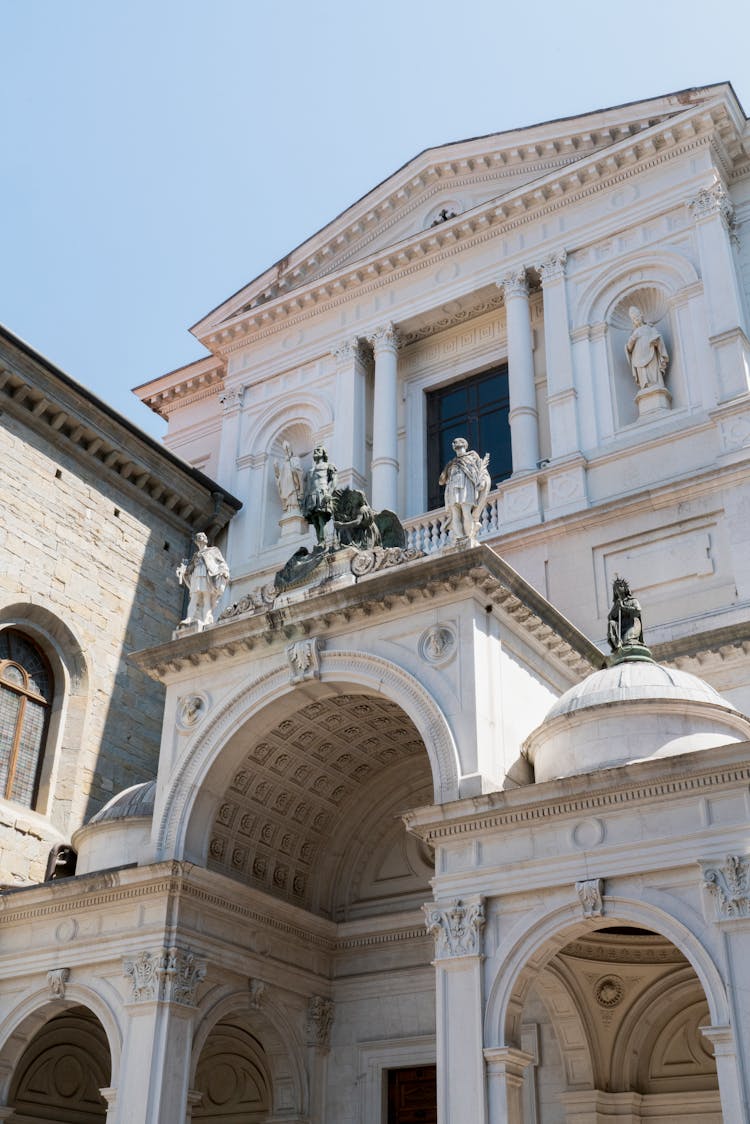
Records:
x=26, y=693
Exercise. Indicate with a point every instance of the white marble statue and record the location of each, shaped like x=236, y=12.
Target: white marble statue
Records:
x=206, y=576
x=289, y=480
x=646, y=352
x=467, y=485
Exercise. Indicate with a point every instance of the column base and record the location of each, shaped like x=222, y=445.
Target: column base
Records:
x=652, y=401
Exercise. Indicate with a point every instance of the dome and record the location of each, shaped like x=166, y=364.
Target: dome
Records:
x=132, y=803
x=632, y=711
x=635, y=679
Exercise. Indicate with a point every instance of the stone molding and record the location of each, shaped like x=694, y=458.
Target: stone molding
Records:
x=590, y=892
x=319, y=1021
x=304, y=659
x=729, y=886
x=457, y=927
x=170, y=975
x=526, y=204
x=57, y=978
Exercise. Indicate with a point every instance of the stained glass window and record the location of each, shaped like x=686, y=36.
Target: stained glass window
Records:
x=26, y=688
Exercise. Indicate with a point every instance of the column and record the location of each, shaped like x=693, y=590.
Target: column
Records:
x=714, y=220
x=524, y=430
x=350, y=411
x=158, y=1038
x=319, y=1022
x=506, y=1067
x=457, y=929
x=231, y=404
x=566, y=475
x=385, y=419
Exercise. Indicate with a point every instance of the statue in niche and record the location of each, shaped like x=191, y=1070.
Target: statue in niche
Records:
x=467, y=485
x=206, y=576
x=646, y=352
x=317, y=500
x=624, y=625
x=289, y=479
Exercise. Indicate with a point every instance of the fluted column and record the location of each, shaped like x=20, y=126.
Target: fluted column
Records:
x=385, y=419
x=524, y=423
x=713, y=213
x=561, y=393
x=457, y=929
x=350, y=410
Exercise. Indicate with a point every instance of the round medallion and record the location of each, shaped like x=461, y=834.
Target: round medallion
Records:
x=608, y=991
x=437, y=644
x=191, y=709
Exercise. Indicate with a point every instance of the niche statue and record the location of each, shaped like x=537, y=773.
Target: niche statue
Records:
x=646, y=352
x=467, y=485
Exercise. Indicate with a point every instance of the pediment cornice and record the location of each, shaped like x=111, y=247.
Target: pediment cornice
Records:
x=239, y=322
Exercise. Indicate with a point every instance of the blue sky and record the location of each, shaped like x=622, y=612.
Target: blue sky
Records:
x=157, y=155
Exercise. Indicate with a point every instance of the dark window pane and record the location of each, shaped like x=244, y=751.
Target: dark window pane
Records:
x=453, y=404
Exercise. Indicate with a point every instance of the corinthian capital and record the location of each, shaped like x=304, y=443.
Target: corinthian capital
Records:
x=514, y=284
x=457, y=928
x=385, y=338
x=349, y=350
x=713, y=200
x=553, y=267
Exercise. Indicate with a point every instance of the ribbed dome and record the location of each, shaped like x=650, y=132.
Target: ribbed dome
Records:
x=132, y=803
x=635, y=680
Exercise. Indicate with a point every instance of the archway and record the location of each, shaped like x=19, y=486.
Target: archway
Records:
x=61, y=1072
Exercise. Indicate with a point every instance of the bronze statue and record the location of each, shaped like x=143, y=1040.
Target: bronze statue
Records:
x=624, y=627
x=317, y=501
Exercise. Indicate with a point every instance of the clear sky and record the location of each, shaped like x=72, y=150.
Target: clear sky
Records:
x=158, y=154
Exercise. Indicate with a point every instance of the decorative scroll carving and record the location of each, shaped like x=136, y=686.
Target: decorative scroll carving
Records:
x=259, y=598
x=712, y=201
x=304, y=659
x=319, y=1021
x=171, y=975
x=553, y=267
x=57, y=978
x=515, y=284
x=457, y=928
x=590, y=892
x=729, y=885
x=381, y=558
x=385, y=338
x=257, y=990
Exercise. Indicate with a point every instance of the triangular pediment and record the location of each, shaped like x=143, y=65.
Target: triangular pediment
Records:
x=442, y=184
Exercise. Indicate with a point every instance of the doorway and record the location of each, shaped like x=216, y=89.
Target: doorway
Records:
x=412, y=1095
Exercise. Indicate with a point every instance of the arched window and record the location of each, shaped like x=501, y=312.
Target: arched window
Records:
x=26, y=689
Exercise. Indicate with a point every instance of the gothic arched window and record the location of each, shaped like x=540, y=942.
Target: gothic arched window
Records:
x=26, y=688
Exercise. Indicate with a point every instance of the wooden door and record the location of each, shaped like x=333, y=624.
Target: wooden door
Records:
x=412, y=1095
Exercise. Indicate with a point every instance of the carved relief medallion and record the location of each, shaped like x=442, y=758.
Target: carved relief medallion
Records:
x=437, y=644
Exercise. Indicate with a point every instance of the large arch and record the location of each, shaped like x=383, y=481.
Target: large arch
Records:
x=203, y=775
x=545, y=934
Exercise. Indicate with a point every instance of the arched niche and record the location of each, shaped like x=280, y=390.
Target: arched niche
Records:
x=210, y=766
x=66, y=729
x=252, y=1043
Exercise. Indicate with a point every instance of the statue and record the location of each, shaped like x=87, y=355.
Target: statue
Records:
x=354, y=519
x=289, y=479
x=624, y=625
x=467, y=485
x=317, y=501
x=646, y=352
x=206, y=576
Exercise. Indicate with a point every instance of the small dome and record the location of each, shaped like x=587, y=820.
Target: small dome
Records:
x=635, y=710
x=631, y=680
x=132, y=803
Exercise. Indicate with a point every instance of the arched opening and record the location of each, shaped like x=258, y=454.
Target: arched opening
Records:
x=311, y=811
x=60, y=1074
x=612, y=1019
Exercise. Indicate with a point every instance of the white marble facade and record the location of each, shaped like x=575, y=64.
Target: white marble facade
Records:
x=346, y=868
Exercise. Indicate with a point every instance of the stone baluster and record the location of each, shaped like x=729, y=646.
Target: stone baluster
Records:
x=385, y=419
x=350, y=407
x=524, y=422
x=714, y=222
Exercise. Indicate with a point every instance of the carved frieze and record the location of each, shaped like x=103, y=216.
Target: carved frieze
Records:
x=304, y=659
x=457, y=928
x=381, y=558
x=57, y=978
x=171, y=975
x=729, y=886
x=260, y=598
x=319, y=1021
x=590, y=892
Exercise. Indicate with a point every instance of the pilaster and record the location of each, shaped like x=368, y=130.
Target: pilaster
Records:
x=231, y=404
x=713, y=214
x=385, y=344
x=457, y=929
x=320, y=1012
x=506, y=1068
x=350, y=413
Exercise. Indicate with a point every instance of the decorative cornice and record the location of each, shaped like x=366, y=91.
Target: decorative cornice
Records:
x=200, y=381
x=729, y=886
x=457, y=927
x=575, y=182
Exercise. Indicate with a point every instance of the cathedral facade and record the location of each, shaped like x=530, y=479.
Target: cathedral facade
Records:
x=438, y=806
